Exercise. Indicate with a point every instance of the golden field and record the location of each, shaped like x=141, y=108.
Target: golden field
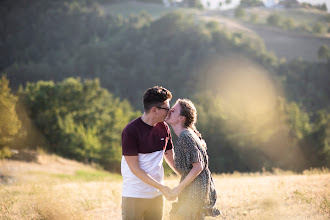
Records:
x=57, y=188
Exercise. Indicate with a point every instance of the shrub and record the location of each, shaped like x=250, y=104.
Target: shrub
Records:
x=274, y=19
x=288, y=24
x=318, y=28
x=254, y=18
x=239, y=13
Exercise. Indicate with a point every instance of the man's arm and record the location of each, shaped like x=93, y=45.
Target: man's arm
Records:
x=133, y=163
x=169, y=157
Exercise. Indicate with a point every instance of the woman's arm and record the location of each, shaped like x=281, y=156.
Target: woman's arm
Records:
x=193, y=173
x=169, y=157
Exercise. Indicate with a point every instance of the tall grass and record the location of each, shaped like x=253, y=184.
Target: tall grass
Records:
x=62, y=189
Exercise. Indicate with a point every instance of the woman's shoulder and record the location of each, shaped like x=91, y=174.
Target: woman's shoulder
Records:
x=187, y=137
x=186, y=134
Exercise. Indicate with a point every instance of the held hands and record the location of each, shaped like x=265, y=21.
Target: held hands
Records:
x=176, y=191
x=171, y=195
x=166, y=192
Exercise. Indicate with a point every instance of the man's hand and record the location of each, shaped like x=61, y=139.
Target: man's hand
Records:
x=176, y=191
x=167, y=193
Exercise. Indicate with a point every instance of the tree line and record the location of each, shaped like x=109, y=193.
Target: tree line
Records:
x=77, y=77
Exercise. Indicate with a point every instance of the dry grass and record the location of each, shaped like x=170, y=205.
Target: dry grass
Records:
x=55, y=188
x=274, y=197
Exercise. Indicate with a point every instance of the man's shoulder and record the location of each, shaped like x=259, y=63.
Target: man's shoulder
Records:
x=132, y=125
x=163, y=125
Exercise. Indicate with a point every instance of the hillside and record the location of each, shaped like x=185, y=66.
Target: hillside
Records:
x=285, y=44
x=80, y=95
x=52, y=187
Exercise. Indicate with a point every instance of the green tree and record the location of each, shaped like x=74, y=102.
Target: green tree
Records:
x=324, y=53
x=81, y=120
x=254, y=18
x=318, y=28
x=304, y=28
x=319, y=140
x=274, y=19
x=298, y=121
x=194, y=4
x=9, y=122
x=251, y=3
x=322, y=137
x=239, y=12
x=288, y=24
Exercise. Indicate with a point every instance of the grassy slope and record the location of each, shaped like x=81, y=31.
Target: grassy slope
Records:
x=56, y=188
x=126, y=9
x=285, y=44
x=300, y=16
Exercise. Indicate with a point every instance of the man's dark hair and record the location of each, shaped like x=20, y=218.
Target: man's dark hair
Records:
x=155, y=96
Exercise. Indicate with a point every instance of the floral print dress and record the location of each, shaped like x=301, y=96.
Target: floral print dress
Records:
x=199, y=197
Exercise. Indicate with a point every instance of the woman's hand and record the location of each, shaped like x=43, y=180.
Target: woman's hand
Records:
x=193, y=173
x=167, y=193
x=176, y=191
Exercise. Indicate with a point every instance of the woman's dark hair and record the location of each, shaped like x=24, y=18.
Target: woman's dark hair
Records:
x=155, y=96
x=189, y=111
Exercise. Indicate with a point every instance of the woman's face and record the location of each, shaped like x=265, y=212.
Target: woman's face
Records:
x=174, y=115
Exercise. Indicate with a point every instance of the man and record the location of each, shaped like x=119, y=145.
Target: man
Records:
x=145, y=141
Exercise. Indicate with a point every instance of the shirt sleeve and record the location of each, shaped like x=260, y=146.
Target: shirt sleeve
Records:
x=129, y=142
x=192, y=153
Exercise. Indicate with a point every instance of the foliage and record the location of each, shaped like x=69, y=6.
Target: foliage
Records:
x=295, y=20
x=239, y=12
x=179, y=51
x=319, y=28
x=306, y=83
x=304, y=28
x=151, y=1
x=324, y=52
x=281, y=139
x=254, y=18
x=274, y=19
x=322, y=7
x=193, y=3
x=288, y=24
x=80, y=119
x=251, y=3
x=319, y=140
x=327, y=17
x=9, y=122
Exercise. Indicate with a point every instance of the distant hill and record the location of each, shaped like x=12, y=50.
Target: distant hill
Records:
x=285, y=44
x=290, y=45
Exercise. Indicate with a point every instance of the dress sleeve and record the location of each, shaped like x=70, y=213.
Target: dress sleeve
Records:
x=191, y=151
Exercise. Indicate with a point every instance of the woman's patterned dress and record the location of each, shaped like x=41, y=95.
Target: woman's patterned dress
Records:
x=199, y=197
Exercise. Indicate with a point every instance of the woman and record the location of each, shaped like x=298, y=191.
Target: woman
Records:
x=196, y=191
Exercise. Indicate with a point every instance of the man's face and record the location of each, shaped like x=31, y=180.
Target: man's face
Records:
x=162, y=111
x=174, y=115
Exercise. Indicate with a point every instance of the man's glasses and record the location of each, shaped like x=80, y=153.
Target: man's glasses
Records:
x=166, y=109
